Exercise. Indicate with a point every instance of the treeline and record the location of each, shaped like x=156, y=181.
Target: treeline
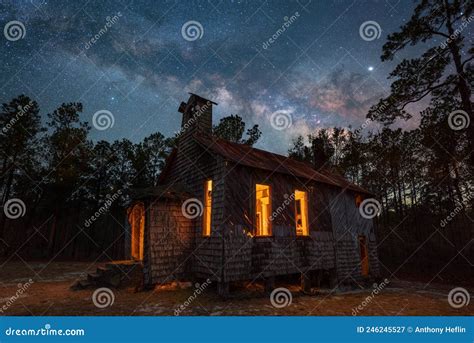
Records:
x=54, y=179
x=423, y=181
x=423, y=178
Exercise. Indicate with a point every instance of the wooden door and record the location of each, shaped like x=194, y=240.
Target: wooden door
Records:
x=364, y=255
x=136, y=217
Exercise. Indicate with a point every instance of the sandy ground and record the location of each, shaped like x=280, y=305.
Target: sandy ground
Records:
x=49, y=294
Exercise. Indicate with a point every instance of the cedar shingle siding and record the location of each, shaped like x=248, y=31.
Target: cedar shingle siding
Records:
x=175, y=248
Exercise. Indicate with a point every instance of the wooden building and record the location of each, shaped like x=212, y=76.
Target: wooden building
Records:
x=228, y=212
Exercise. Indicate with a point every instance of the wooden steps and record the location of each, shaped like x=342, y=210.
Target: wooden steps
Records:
x=113, y=274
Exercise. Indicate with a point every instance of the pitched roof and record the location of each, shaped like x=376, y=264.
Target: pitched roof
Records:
x=256, y=158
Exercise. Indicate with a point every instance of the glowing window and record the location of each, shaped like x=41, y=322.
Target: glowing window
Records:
x=263, y=210
x=206, y=219
x=358, y=200
x=301, y=213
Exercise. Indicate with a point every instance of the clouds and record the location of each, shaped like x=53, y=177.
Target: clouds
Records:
x=342, y=93
x=142, y=68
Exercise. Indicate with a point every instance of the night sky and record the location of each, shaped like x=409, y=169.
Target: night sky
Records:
x=319, y=71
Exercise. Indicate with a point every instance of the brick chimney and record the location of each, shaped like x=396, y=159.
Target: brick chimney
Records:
x=197, y=115
x=197, y=118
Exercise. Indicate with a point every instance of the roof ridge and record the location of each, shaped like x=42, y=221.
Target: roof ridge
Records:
x=275, y=162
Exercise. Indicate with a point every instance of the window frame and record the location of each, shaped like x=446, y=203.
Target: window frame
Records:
x=270, y=195
x=207, y=216
x=304, y=213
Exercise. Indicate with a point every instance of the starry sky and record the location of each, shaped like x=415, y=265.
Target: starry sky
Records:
x=319, y=70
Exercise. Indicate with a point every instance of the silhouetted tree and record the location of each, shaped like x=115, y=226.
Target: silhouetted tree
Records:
x=232, y=129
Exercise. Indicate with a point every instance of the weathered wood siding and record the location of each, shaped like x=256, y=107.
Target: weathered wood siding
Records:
x=348, y=224
x=176, y=248
x=285, y=253
x=169, y=239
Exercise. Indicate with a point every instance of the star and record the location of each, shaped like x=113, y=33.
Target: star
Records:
x=370, y=68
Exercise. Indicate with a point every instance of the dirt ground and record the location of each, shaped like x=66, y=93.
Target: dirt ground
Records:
x=49, y=294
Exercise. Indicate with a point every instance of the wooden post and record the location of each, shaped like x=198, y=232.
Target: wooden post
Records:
x=223, y=288
x=317, y=277
x=269, y=284
x=332, y=278
x=306, y=282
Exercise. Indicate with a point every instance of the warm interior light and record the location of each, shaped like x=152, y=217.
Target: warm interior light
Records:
x=136, y=218
x=263, y=210
x=301, y=213
x=358, y=200
x=206, y=224
x=364, y=255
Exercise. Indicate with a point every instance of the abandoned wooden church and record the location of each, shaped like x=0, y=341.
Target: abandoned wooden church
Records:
x=228, y=212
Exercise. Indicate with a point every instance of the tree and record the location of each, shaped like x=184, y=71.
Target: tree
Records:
x=441, y=70
x=69, y=154
x=19, y=146
x=232, y=129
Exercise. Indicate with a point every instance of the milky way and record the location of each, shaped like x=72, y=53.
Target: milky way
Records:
x=138, y=59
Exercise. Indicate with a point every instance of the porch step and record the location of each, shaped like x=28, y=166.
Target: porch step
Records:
x=114, y=274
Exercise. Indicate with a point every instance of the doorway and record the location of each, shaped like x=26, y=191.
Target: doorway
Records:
x=136, y=218
x=364, y=255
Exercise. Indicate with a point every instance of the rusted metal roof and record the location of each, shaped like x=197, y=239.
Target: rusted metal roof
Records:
x=175, y=192
x=261, y=159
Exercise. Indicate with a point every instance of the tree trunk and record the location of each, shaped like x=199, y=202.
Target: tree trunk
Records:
x=463, y=86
